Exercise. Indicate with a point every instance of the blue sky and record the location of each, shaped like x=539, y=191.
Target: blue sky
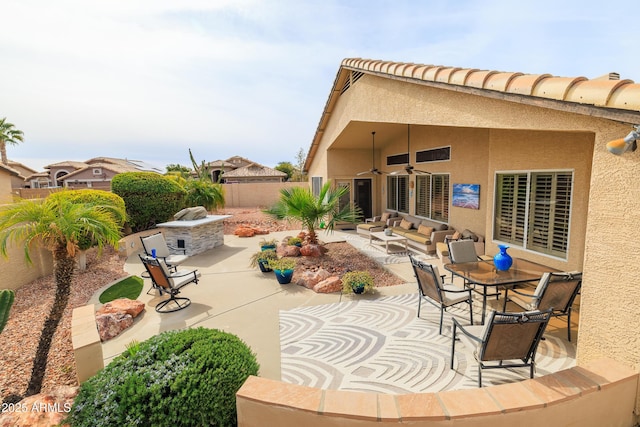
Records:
x=149, y=79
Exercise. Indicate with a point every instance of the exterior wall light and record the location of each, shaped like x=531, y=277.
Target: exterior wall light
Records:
x=628, y=143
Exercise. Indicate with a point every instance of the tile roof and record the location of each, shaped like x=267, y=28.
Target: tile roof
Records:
x=607, y=96
x=253, y=170
x=609, y=92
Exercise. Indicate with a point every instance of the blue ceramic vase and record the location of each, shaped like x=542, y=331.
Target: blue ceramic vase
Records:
x=502, y=260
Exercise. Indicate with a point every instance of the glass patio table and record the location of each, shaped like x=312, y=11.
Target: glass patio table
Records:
x=485, y=275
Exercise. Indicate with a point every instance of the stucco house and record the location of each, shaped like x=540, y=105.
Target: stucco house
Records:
x=238, y=169
x=533, y=148
x=94, y=173
x=18, y=181
x=7, y=177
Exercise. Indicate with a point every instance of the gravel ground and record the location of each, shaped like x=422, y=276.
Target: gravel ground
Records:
x=20, y=337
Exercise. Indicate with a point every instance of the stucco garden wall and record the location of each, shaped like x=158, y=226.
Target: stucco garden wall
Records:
x=15, y=272
x=263, y=194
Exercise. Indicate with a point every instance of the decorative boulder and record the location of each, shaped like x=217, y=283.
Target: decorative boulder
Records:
x=122, y=305
x=309, y=279
x=112, y=324
x=248, y=231
x=287, y=250
x=329, y=285
x=189, y=214
x=311, y=250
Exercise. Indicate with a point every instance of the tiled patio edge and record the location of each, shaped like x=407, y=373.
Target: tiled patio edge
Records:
x=602, y=392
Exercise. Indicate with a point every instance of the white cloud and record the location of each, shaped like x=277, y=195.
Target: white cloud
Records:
x=149, y=79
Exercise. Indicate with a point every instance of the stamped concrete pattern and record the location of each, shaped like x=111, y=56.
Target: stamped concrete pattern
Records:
x=380, y=345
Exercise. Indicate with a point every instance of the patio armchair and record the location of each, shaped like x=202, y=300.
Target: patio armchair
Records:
x=170, y=283
x=163, y=251
x=507, y=340
x=555, y=291
x=433, y=290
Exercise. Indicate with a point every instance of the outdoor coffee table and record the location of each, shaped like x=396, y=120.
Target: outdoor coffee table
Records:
x=394, y=238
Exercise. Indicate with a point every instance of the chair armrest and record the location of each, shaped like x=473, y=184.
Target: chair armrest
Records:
x=173, y=248
x=457, y=325
x=524, y=294
x=183, y=273
x=374, y=219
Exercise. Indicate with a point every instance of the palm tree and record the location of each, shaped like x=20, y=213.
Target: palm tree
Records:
x=58, y=225
x=8, y=135
x=299, y=203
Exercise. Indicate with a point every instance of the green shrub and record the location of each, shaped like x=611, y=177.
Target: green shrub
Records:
x=150, y=198
x=205, y=193
x=177, y=378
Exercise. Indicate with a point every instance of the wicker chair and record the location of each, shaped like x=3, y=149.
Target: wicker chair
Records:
x=507, y=340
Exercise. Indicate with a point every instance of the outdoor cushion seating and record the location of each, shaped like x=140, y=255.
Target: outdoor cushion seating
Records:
x=421, y=234
x=167, y=282
x=163, y=251
x=555, y=291
x=377, y=223
x=507, y=340
x=433, y=290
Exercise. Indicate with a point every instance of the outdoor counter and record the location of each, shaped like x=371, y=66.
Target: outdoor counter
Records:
x=195, y=236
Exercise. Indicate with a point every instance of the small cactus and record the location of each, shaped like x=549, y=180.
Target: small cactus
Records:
x=6, y=300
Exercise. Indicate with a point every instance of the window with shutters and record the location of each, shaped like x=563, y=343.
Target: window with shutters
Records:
x=533, y=209
x=432, y=196
x=398, y=193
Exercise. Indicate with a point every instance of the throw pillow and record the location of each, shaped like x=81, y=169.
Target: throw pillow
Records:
x=405, y=224
x=385, y=216
x=423, y=229
x=456, y=236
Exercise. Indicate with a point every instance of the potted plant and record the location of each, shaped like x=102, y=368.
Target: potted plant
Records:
x=266, y=244
x=294, y=241
x=283, y=269
x=357, y=282
x=261, y=259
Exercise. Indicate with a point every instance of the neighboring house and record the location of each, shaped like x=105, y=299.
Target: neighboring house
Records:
x=535, y=148
x=7, y=175
x=238, y=169
x=93, y=173
x=23, y=172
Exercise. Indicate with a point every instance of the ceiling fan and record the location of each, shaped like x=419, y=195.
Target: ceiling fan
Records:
x=409, y=169
x=373, y=169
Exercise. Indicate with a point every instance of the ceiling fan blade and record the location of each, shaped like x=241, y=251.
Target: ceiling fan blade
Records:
x=420, y=172
x=363, y=173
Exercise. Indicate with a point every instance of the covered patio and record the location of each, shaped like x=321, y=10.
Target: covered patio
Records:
x=392, y=350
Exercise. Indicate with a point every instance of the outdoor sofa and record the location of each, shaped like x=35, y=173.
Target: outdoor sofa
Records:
x=421, y=234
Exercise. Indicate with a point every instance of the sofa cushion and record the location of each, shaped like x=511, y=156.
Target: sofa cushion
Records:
x=370, y=225
x=405, y=224
x=423, y=229
x=418, y=237
x=415, y=221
